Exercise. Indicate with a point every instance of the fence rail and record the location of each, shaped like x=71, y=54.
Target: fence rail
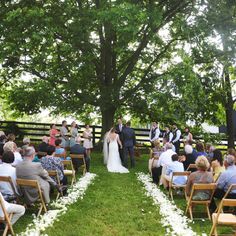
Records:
x=35, y=131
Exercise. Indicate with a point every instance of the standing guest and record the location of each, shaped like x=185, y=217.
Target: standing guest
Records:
x=168, y=135
x=163, y=161
x=6, y=169
x=200, y=150
x=11, y=208
x=176, y=138
x=119, y=128
x=88, y=143
x=78, y=149
x=3, y=139
x=64, y=134
x=154, y=133
x=129, y=141
x=226, y=178
x=187, y=135
x=217, y=164
x=11, y=146
x=53, y=133
x=50, y=162
x=43, y=147
x=190, y=158
x=73, y=133
x=201, y=176
x=175, y=166
x=34, y=171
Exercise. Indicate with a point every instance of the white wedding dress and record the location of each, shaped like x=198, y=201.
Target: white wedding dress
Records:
x=112, y=156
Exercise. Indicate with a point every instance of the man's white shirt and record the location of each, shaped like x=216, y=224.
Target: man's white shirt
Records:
x=165, y=158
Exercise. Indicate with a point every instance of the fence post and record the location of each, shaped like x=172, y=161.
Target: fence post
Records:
x=94, y=135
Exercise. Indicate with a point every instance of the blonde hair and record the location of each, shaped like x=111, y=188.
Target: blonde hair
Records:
x=202, y=163
x=9, y=146
x=156, y=143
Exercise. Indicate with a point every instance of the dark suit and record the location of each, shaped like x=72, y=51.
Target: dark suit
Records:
x=129, y=141
x=119, y=132
x=43, y=147
x=78, y=149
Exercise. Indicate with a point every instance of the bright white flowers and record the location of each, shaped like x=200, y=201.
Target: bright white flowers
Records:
x=76, y=192
x=172, y=217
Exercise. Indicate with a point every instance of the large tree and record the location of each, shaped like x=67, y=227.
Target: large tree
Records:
x=88, y=55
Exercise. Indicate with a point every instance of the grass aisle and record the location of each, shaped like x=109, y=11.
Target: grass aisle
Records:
x=114, y=205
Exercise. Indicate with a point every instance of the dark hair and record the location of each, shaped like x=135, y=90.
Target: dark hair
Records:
x=175, y=157
x=200, y=147
x=113, y=130
x=86, y=125
x=51, y=125
x=50, y=150
x=11, y=137
x=217, y=155
x=3, y=137
x=63, y=122
x=190, y=142
x=58, y=142
x=128, y=123
x=8, y=157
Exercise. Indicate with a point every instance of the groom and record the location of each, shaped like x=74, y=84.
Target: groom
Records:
x=129, y=141
x=119, y=129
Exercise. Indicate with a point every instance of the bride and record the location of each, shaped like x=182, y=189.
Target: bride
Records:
x=111, y=152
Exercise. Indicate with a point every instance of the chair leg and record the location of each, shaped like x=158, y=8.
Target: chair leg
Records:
x=208, y=211
x=213, y=228
x=8, y=226
x=191, y=212
x=40, y=210
x=171, y=193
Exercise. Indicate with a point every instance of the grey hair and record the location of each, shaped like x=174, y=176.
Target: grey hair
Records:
x=169, y=146
x=188, y=149
x=230, y=160
x=26, y=140
x=29, y=151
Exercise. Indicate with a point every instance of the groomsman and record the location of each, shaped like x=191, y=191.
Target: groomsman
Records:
x=154, y=133
x=176, y=138
x=168, y=135
x=119, y=129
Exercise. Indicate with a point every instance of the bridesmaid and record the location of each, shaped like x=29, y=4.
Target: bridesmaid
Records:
x=53, y=133
x=64, y=134
x=88, y=144
x=73, y=133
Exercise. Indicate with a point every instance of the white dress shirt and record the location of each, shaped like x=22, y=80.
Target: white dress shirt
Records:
x=165, y=158
x=18, y=159
x=157, y=134
x=7, y=170
x=178, y=134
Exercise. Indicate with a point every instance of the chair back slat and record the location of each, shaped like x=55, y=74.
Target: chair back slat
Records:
x=184, y=173
x=62, y=155
x=211, y=186
x=42, y=154
x=27, y=182
x=78, y=156
x=232, y=187
x=192, y=166
x=229, y=202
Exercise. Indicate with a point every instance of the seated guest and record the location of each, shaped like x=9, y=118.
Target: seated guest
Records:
x=200, y=150
x=50, y=162
x=189, y=157
x=34, y=171
x=3, y=139
x=156, y=150
x=175, y=166
x=201, y=176
x=226, y=178
x=78, y=149
x=43, y=147
x=6, y=169
x=231, y=151
x=59, y=149
x=15, y=209
x=163, y=161
x=209, y=150
x=26, y=142
x=217, y=164
x=11, y=146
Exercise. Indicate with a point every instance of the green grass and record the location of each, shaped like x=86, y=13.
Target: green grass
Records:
x=114, y=205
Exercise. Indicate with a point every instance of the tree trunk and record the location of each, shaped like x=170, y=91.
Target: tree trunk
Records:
x=229, y=112
x=107, y=119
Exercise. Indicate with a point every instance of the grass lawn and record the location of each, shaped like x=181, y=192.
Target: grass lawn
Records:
x=114, y=205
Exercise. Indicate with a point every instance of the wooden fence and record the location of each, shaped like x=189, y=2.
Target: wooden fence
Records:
x=35, y=131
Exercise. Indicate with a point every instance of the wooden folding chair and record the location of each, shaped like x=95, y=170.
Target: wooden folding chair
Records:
x=54, y=174
x=62, y=155
x=80, y=157
x=6, y=219
x=191, y=166
x=221, y=218
x=191, y=201
x=33, y=184
x=173, y=186
x=41, y=154
x=69, y=170
x=8, y=180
